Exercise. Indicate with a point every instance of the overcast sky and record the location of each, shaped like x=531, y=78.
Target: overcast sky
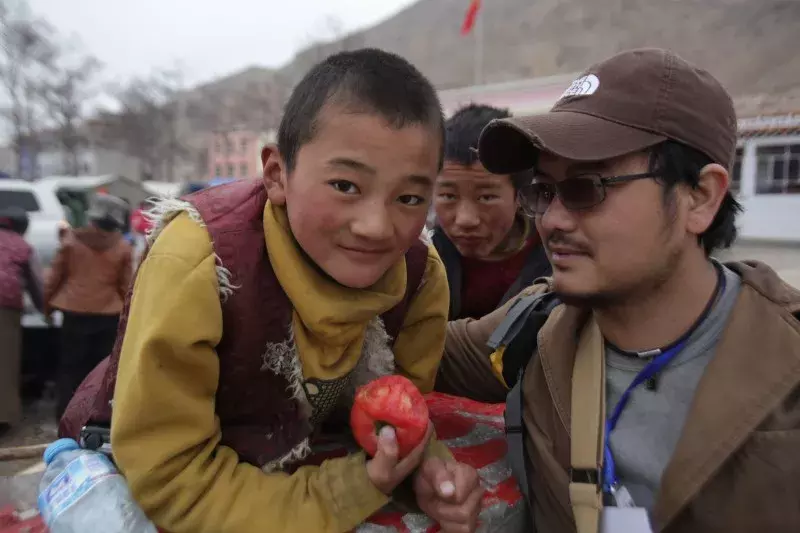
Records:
x=206, y=38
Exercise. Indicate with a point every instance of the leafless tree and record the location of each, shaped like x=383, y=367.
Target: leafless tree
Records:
x=146, y=126
x=27, y=58
x=66, y=95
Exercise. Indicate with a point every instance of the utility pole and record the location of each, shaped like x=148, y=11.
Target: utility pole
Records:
x=478, y=51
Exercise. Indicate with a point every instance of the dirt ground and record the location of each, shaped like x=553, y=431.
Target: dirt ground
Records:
x=38, y=426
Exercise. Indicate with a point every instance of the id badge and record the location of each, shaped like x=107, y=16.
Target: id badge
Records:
x=622, y=498
x=625, y=520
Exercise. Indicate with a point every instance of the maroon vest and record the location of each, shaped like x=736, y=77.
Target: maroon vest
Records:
x=259, y=419
x=15, y=255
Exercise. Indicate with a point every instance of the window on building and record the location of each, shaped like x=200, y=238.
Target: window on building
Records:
x=736, y=173
x=778, y=169
x=243, y=145
x=217, y=146
x=243, y=170
x=231, y=171
x=218, y=170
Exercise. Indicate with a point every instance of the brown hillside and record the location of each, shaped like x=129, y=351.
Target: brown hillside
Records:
x=753, y=46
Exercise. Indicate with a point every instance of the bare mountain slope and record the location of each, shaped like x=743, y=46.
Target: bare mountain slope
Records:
x=753, y=46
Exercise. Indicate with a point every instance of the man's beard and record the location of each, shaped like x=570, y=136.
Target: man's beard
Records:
x=625, y=291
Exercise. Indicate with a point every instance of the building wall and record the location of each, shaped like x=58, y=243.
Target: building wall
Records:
x=235, y=154
x=770, y=215
x=93, y=161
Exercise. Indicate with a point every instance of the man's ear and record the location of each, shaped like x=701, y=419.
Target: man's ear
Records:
x=274, y=174
x=706, y=198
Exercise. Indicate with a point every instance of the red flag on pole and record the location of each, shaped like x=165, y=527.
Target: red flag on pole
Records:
x=469, y=18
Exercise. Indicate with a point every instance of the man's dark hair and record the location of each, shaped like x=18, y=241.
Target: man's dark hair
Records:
x=366, y=81
x=677, y=163
x=462, y=131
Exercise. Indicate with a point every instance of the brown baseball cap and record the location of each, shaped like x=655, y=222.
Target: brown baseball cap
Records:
x=630, y=102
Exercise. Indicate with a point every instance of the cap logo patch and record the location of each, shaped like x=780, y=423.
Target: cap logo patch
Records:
x=583, y=86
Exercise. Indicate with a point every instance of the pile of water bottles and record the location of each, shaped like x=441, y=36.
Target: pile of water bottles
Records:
x=82, y=491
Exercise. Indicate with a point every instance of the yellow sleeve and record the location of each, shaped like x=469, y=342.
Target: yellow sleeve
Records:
x=165, y=432
x=420, y=343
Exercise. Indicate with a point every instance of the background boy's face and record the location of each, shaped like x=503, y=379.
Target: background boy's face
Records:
x=359, y=193
x=475, y=209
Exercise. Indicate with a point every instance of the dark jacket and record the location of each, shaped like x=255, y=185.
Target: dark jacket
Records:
x=536, y=265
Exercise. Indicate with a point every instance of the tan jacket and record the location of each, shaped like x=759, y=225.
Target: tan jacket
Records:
x=736, y=467
x=90, y=273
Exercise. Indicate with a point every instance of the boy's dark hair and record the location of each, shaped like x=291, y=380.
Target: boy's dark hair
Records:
x=366, y=80
x=677, y=163
x=462, y=131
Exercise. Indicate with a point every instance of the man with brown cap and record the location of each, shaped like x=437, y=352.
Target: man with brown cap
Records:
x=645, y=377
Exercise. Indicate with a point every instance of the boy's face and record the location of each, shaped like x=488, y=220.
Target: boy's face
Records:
x=474, y=208
x=359, y=194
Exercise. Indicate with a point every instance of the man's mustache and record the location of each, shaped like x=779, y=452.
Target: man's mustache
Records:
x=559, y=239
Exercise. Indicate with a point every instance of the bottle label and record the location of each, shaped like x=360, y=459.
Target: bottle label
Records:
x=73, y=483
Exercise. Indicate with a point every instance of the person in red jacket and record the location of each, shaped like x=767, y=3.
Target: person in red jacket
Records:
x=19, y=272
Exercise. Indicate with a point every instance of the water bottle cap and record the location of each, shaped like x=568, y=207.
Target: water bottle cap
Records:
x=61, y=445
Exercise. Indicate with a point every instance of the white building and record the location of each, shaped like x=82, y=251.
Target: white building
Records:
x=766, y=175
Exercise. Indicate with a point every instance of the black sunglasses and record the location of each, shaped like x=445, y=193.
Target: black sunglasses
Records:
x=579, y=192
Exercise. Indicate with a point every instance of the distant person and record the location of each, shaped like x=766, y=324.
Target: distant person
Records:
x=88, y=281
x=490, y=249
x=19, y=272
x=75, y=207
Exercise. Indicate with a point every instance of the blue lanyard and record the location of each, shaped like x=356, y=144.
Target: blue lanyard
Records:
x=652, y=369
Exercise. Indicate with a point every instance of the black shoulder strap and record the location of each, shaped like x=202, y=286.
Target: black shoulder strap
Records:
x=519, y=330
x=519, y=334
x=452, y=265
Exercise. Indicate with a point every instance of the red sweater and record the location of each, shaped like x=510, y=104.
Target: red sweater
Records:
x=485, y=282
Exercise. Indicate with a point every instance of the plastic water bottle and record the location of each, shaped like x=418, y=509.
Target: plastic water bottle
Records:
x=82, y=492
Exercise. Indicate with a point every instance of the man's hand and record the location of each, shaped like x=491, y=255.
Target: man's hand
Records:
x=450, y=493
x=385, y=470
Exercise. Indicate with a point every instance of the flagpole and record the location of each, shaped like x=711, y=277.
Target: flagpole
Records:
x=478, y=51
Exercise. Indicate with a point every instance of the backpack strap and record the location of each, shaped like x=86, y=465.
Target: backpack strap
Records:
x=514, y=342
x=587, y=426
x=515, y=339
x=416, y=261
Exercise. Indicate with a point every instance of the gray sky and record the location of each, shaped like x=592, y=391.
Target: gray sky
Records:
x=206, y=38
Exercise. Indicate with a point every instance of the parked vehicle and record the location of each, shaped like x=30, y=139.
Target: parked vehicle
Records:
x=46, y=215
